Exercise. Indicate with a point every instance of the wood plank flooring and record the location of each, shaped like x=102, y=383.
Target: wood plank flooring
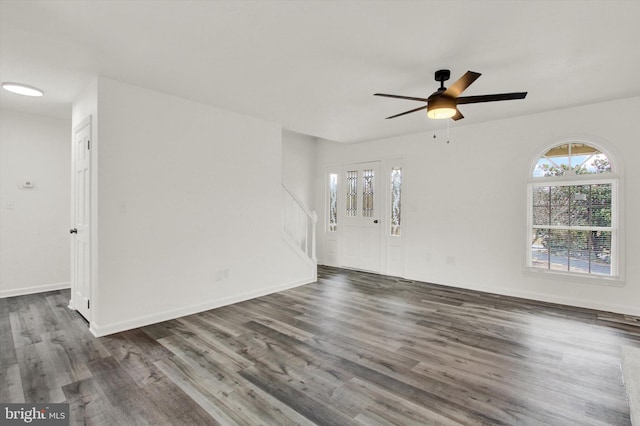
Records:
x=354, y=348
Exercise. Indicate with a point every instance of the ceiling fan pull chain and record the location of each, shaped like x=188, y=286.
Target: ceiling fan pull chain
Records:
x=447, y=131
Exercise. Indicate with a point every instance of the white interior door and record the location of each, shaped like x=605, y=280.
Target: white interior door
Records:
x=81, y=218
x=361, y=217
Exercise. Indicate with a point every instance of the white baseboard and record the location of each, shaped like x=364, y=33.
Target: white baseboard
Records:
x=99, y=330
x=579, y=303
x=543, y=297
x=34, y=289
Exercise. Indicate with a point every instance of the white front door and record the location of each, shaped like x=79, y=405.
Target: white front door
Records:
x=361, y=216
x=81, y=217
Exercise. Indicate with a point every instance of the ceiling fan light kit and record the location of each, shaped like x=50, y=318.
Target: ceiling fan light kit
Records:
x=441, y=107
x=443, y=103
x=22, y=89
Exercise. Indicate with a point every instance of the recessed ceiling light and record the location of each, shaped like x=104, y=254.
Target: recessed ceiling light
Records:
x=22, y=89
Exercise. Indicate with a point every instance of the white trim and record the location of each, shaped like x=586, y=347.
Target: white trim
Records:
x=544, y=297
x=583, y=278
x=34, y=289
x=104, y=330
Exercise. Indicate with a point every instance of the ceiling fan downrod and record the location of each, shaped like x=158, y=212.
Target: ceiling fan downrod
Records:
x=442, y=76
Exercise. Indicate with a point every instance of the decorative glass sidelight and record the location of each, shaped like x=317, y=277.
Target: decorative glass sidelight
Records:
x=333, y=202
x=396, y=190
x=367, y=193
x=352, y=193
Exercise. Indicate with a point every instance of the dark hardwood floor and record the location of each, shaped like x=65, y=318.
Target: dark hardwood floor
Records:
x=354, y=348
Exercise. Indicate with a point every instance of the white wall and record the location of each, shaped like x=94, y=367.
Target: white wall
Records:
x=34, y=224
x=299, y=165
x=464, y=203
x=189, y=209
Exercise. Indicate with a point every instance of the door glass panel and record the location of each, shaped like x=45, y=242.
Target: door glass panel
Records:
x=367, y=193
x=333, y=202
x=352, y=193
x=396, y=186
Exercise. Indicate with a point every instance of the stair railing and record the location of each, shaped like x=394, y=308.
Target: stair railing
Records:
x=299, y=224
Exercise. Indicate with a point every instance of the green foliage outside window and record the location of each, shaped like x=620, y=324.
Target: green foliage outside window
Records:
x=572, y=223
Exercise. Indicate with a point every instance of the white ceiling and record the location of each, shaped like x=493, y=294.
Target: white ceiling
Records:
x=313, y=66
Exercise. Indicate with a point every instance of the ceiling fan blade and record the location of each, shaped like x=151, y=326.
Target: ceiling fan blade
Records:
x=408, y=112
x=463, y=82
x=411, y=98
x=491, y=98
x=458, y=115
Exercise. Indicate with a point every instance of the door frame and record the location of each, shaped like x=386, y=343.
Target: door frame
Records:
x=392, y=250
x=73, y=304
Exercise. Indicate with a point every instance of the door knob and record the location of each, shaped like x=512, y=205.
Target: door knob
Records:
x=375, y=221
x=73, y=231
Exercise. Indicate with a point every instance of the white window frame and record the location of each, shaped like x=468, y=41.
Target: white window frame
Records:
x=617, y=256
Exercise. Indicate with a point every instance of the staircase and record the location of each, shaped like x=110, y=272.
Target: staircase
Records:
x=299, y=227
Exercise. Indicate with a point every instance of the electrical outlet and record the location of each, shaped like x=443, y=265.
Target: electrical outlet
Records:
x=222, y=274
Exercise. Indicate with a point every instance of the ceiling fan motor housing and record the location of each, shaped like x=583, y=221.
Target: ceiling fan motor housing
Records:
x=441, y=101
x=442, y=75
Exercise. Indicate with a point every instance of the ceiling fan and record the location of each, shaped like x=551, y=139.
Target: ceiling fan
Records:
x=443, y=103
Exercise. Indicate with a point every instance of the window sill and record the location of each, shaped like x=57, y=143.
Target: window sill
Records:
x=578, y=278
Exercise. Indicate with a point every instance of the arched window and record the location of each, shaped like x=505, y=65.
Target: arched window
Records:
x=573, y=205
x=572, y=159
